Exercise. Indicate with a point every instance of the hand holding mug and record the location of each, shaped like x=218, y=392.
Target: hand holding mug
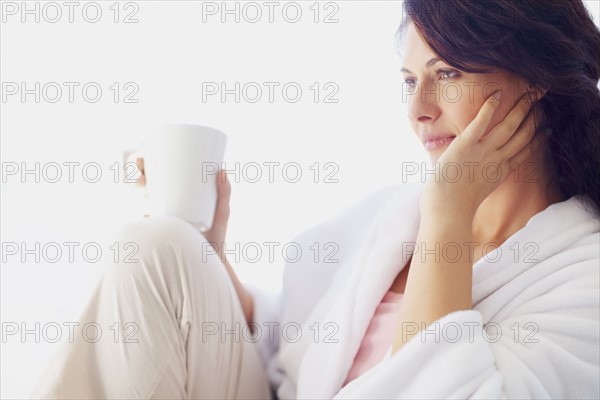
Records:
x=218, y=231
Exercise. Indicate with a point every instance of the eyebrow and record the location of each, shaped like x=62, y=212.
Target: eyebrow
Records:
x=428, y=64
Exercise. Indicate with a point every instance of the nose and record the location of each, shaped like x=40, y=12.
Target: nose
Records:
x=423, y=104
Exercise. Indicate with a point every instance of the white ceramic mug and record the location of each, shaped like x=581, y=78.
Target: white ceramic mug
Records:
x=181, y=162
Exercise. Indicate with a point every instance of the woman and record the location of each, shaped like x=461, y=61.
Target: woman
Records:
x=480, y=282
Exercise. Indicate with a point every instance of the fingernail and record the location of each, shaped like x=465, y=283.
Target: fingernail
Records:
x=535, y=95
x=498, y=95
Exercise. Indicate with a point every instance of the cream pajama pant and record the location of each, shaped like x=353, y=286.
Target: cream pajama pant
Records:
x=176, y=337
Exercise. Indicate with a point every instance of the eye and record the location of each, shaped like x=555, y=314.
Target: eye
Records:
x=410, y=84
x=447, y=73
x=444, y=74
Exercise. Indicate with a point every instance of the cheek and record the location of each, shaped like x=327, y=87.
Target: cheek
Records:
x=461, y=113
x=414, y=128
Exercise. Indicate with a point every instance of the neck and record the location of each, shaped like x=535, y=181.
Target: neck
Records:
x=526, y=192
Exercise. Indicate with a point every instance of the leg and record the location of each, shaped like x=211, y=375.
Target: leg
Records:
x=168, y=300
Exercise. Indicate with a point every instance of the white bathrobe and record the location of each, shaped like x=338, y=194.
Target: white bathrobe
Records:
x=533, y=331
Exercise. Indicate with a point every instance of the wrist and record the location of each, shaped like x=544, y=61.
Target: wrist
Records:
x=447, y=215
x=442, y=203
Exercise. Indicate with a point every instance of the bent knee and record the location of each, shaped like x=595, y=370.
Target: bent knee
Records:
x=162, y=247
x=160, y=239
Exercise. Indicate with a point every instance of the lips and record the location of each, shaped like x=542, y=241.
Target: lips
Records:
x=436, y=141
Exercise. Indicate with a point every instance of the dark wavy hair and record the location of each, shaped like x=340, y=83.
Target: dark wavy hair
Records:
x=550, y=44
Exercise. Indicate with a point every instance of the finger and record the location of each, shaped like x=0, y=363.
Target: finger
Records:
x=502, y=132
x=519, y=163
x=524, y=156
x=520, y=138
x=481, y=122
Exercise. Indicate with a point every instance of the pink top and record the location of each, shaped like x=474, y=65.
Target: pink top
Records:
x=379, y=336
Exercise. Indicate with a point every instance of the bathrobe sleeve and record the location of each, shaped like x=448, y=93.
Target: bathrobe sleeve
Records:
x=542, y=343
x=267, y=315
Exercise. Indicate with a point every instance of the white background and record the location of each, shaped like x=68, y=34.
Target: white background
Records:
x=168, y=53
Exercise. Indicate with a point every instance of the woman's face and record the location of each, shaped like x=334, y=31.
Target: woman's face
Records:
x=442, y=100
